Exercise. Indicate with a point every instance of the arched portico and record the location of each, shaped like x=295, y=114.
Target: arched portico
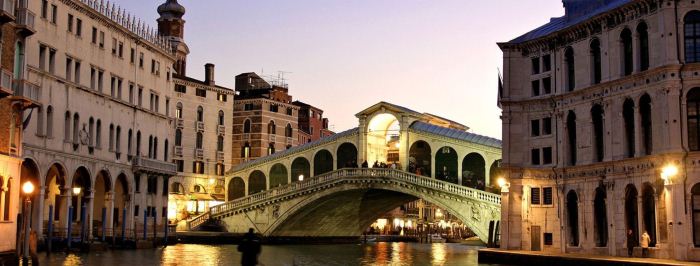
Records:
x=383, y=139
x=420, y=158
x=323, y=162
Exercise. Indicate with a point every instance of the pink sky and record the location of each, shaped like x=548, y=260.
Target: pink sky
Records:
x=438, y=57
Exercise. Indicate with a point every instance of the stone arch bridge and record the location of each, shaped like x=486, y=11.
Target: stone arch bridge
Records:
x=313, y=189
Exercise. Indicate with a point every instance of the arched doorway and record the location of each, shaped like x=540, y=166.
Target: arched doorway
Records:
x=347, y=155
x=631, y=213
x=278, y=175
x=572, y=218
x=80, y=197
x=256, y=182
x=446, y=164
x=474, y=171
x=323, y=162
x=301, y=168
x=649, y=212
x=101, y=203
x=383, y=133
x=601, y=217
x=55, y=186
x=420, y=158
x=236, y=188
x=29, y=172
x=121, y=203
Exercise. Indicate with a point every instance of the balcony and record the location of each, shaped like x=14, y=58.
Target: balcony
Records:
x=25, y=22
x=199, y=126
x=7, y=11
x=219, y=155
x=151, y=166
x=178, y=151
x=24, y=90
x=198, y=154
x=6, y=84
x=221, y=130
x=180, y=123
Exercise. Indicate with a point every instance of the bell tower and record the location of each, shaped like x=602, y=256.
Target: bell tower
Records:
x=172, y=26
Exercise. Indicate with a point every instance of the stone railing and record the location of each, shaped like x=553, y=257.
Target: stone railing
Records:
x=154, y=166
x=343, y=175
x=198, y=220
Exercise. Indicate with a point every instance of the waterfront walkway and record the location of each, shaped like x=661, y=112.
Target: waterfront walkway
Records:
x=490, y=255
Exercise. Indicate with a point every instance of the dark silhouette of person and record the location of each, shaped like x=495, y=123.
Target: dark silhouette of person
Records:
x=365, y=165
x=631, y=242
x=250, y=248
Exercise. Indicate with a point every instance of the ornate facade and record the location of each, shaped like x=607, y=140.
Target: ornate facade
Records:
x=599, y=111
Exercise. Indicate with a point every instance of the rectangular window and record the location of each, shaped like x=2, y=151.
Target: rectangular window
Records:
x=289, y=111
x=114, y=46
x=54, y=14
x=133, y=55
x=221, y=97
x=273, y=108
x=100, y=80
x=547, y=195
x=535, y=156
x=536, y=88
x=140, y=96
x=141, y=60
x=77, y=72
x=131, y=93
x=180, y=165
x=153, y=66
x=546, y=63
x=180, y=88
x=119, y=88
x=44, y=8
x=248, y=107
x=535, y=65
x=136, y=210
x=547, y=126
x=547, y=85
x=201, y=92
x=121, y=50
x=52, y=61
x=113, y=86
x=93, y=78
x=547, y=155
x=167, y=106
x=70, y=23
x=548, y=239
x=79, y=27
x=535, y=128
x=102, y=39
x=94, y=35
x=42, y=56
x=535, y=196
x=69, y=68
x=137, y=183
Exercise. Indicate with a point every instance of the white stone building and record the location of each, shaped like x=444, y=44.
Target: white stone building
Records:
x=599, y=110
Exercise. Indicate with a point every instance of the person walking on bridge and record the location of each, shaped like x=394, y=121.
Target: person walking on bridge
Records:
x=250, y=249
x=645, y=244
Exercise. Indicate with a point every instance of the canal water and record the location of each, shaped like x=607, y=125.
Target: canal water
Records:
x=326, y=255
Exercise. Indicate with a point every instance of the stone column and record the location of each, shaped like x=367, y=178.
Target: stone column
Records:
x=38, y=211
x=90, y=216
x=637, y=131
x=109, y=209
x=65, y=203
x=459, y=172
x=678, y=232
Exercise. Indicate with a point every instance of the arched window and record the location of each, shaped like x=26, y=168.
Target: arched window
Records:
x=628, y=115
x=598, y=136
x=91, y=130
x=200, y=140
x=111, y=137
x=76, y=128
x=572, y=215
x=220, y=143
x=178, y=137
x=150, y=146
x=271, y=128
x=178, y=111
x=695, y=201
x=155, y=148
x=129, y=139
x=165, y=150
x=246, y=126
x=693, y=118
x=692, y=36
x=643, y=46
x=40, y=121
x=600, y=217
x=627, y=53
x=98, y=135
x=138, y=143
x=66, y=127
x=571, y=132
x=200, y=114
x=596, y=61
x=118, y=140
x=49, y=121
x=649, y=212
x=570, y=68
x=645, y=117
x=288, y=131
x=221, y=118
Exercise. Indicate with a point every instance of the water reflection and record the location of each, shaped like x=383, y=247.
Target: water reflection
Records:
x=326, y=255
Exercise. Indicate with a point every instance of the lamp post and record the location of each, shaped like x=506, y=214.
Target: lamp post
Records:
x=28, y=189
x=301, y=178
x=674, y=210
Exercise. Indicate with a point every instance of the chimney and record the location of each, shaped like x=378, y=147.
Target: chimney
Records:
x=209, y=74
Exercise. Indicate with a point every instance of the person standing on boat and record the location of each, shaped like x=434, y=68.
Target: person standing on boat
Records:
x=250, y=248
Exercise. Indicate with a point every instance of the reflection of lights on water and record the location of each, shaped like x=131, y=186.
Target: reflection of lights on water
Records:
x=439, y=252
x=205, y=255
x=395, y=253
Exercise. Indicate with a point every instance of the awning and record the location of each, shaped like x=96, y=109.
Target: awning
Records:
x=200, y=196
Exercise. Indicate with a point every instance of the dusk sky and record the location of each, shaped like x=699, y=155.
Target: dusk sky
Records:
x=438, y=57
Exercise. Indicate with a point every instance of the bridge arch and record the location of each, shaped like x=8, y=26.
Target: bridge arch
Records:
x=474, y=171
x=278, y=175
x=300, y=167
x=236, y=188
x=346, y=154
x=256, y=182
x=323, y=162
x=420, y=158
x=446, y=164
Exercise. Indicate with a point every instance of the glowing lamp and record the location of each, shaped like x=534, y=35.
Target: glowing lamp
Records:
x=301, y=177
x=501, y=182
x=397, y=145
x=76, y=191
x=28, y=187
x=211, y=181
x=669, y=172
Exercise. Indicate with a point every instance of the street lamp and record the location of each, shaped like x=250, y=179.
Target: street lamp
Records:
x=503, y=184
x=668, y=172
x=28, y=189
x=76, y=191
x=301, y=177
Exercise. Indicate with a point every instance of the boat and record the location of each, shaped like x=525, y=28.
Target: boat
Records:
x=436, y=238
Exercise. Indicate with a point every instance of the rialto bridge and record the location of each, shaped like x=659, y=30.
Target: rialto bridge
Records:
x=320, y=188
